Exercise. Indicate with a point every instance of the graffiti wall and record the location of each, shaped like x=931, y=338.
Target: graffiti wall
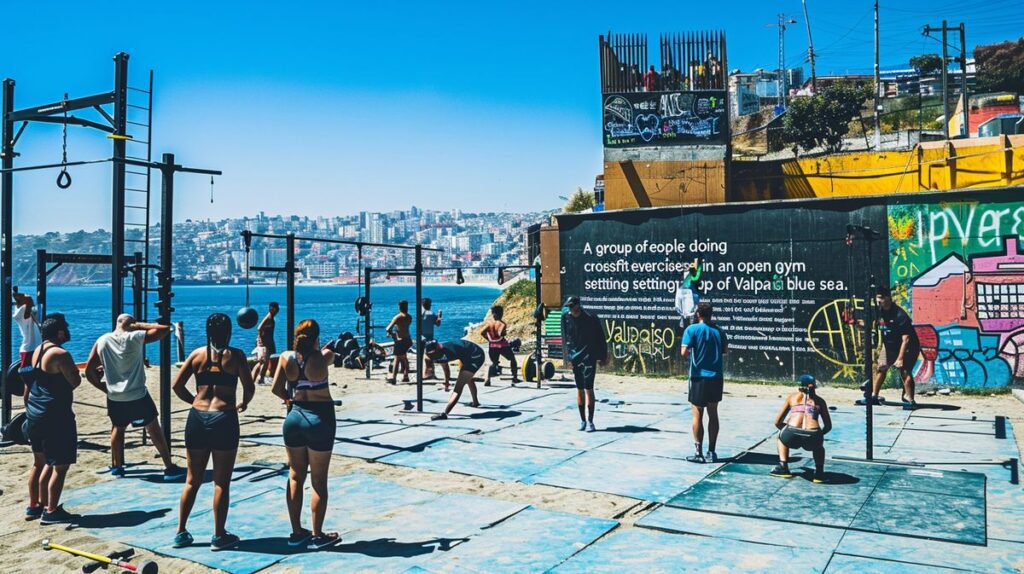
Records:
x=958, y=267
x=665, y=118
x=788, y=284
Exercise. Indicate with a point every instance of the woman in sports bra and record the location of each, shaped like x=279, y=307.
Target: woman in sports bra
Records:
x=212, y=427
x=302, y=382
x=497, y=345
x=799, y=428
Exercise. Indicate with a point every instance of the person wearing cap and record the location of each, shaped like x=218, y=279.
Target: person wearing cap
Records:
x=900, y=349
x=799, y=427
x=470, y=357
x=118, y=357
x=586, y=347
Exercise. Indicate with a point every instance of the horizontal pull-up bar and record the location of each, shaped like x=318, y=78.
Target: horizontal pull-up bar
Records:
x=339, y=241
x=139, y=163
x=39, y=112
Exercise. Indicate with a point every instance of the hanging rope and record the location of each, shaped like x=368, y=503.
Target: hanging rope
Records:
x=211, y=189
x=64, y=178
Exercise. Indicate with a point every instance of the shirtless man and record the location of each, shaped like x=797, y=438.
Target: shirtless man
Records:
x=398, y=328
x=265, y=345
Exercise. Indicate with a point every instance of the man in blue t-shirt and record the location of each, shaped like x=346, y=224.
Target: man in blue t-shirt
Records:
x=704, y=344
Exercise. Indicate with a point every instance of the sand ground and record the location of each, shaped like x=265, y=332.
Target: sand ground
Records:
x=20, y=548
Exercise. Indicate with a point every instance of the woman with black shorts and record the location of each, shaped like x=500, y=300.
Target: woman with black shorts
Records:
x=212, y=427
x=301, y=381
x=798, y=428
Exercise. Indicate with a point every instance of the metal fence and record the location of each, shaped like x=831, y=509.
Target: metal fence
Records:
x=689, y=61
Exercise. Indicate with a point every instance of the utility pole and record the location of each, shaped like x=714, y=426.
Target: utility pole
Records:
x=810, y=50
x=945, y=81
x=878, y=87
x=780, y=81
x=963, y=80
x=965, y=130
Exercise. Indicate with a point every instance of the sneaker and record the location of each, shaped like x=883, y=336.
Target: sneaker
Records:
x=712, y=456
x=781, y=471
x=117, y=471
x=58, y=516
x=516, y=381
x=439, y=417
x=182, y=539
x=174, y=472
x=34, y=512
x=323, y=541
x=591, y=427
x=697, y=458
x=391, y=381
x=298, y=539
x=819, y=478
x=909, y=406
x=583, y=425
x=223, y=542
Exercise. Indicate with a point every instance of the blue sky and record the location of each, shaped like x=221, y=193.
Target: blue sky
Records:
x=334, y=107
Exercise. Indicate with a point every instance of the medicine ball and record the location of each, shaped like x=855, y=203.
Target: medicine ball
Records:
x=247, y=317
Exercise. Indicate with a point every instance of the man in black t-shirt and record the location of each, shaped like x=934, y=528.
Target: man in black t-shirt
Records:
x=470, y=357
x=900, y=348
x=586, y=347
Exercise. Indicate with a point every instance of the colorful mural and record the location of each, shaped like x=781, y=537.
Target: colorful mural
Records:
x=959, y=270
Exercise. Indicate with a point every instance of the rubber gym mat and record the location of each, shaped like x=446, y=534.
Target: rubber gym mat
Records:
x=416, y=436
x=551, y=433
x=653, y=478
x=483, y=419
x=959, y=518
x=473, y=457
x=640, y=550
x=412, y=536
x=531, y=541
x=743, y=528
x=996, y=556
x=842, y=564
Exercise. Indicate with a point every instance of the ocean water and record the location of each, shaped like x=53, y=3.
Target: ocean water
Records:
x=333, y=306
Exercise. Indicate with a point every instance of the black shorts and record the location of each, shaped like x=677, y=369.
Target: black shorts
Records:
x=889, y=351
x=211, y=430
x=794, y=437
x=137, y=413
x=402, y=346
x=310, y=425
x=56, y=436
x=584, y=373
x=704, y=391
x=496, y=353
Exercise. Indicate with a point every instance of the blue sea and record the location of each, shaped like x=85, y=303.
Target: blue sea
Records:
x=88, y=310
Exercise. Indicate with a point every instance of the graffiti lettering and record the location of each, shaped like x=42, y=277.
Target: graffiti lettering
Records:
x=620, y=332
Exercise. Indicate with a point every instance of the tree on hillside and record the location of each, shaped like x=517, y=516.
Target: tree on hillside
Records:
x=927, y=64
x=580, y=201
x=1000, y=67
x=823, y=119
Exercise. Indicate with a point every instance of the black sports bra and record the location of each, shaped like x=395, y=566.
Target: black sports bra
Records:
x=220, y=377
x=304, y=384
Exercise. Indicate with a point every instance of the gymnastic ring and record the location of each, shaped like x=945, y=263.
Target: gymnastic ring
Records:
x=63, y=179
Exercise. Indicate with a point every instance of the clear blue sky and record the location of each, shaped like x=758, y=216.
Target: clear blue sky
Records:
x=335, y=107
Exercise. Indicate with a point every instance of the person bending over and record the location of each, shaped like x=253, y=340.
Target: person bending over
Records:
x=301, y=381
x=51, y=428
x=498, y=346
x=470, y=357
x=398, y=328
x=120, y=355
x=212, y=425
x=799, y=428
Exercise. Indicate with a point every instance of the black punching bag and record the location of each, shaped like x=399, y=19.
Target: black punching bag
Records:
x=247, y=317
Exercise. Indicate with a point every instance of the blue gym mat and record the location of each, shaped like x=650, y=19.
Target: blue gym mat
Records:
x=483, y=419
x=996, y=556
x=411, y=536
x=550, y=433
x=640, y=550
x=494, y=461
x=842, y=564
x=651, y=478
x=530, y=541
x=742, y=528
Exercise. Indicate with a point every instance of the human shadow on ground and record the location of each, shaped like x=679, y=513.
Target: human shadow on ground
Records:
x=123, y=519
x=628, y=429
x=833, y=478
x=377, y=548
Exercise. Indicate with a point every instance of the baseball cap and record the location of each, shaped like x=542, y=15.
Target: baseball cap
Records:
x=572, y=301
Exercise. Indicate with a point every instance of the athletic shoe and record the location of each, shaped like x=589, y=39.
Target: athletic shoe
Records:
x=323, y=541
x=58, y=516
x=781, y=471
x=34, y=512
x=713, y=456
x=583, y=425
x=182, y=539
x=591, y=427
x=391, y=381
x=697, y=458
x=910, y=406
x=223, y=542
x=174, y=472
x=439, y=417
x=296, y=540
x=516, y=381
x=117, y=471
x=819, y=478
